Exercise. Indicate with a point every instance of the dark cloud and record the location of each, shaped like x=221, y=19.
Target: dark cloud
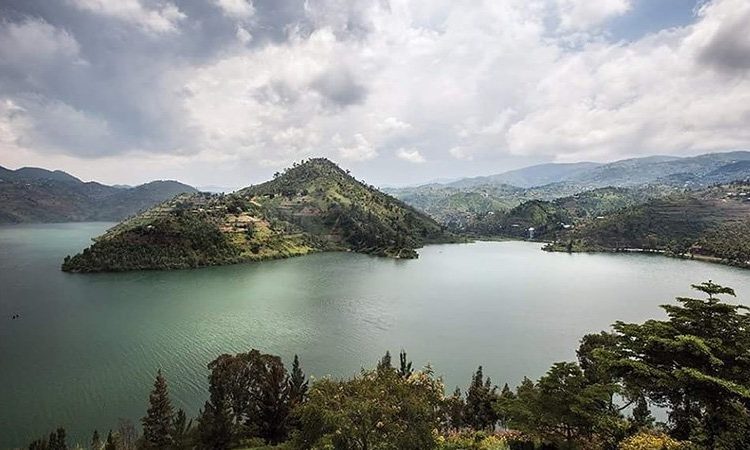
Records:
x=117, y=73
x=729, y=48
x=340, y=88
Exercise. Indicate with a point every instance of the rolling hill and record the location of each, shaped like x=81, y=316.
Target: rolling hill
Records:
x=460, y=202
x=32, y=194
x=710, y=222
x=313, y=206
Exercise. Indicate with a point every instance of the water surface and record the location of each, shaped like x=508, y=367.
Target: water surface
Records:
x=86, y=347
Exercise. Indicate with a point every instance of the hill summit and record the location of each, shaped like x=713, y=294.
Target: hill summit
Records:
x=312, y=206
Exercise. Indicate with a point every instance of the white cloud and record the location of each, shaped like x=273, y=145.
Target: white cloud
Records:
x=34, y=44
x=460, y=153
x=238, y=9
x=360, y=150
x=410, y=154
x=163, y=19
x=393, y=124
x=576, y=15
x=467, y=87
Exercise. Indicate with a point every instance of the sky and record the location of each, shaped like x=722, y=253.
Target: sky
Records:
x=227, y=92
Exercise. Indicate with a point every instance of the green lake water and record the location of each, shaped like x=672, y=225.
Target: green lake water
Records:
x=85, y=349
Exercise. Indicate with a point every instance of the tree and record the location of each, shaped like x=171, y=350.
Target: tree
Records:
x=96, y=441
x=480, y=400
x=385, y=362
x=158, y=425
x=453, y=411
x=695, y=364
x=249, y=397
x=405, y=369
x=504, y=401
x=181, y=429
x=127, y=435
x=298, y=384
x=111, y=443
x=563, y=408
x=376, y=410
x=215, y=426
x=57, y=440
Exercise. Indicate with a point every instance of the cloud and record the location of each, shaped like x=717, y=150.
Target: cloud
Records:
x=412, y=155
x=164, y=18
x=248, y=85
x=360, y=150
x=724, y=35
x=238, y=9
x=576, y=15
x=460, y=153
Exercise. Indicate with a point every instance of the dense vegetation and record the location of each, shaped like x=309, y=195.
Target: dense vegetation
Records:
x=694, y=364
x=313, y=206
x=706, y=223
x=38, y=195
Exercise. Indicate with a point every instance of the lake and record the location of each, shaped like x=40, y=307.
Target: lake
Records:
x=86, y=347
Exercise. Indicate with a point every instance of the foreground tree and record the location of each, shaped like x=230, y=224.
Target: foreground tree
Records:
x=563, y=408
x=110, y=444
x=480, y=400
x=158, y=425
x=96, y=441
x=695, y=363
x=376, y=410
x=454, y=408
x=249, y=397
x=298, y=384
x=405, y=369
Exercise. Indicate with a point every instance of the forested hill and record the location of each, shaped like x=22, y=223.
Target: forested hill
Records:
x=460, y=202
x=312, y=206
x=711, y=223
x=32, y=194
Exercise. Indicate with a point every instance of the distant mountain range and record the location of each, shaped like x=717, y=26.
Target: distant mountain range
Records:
x=32, y=194
x=459, y=201
x=313, y=206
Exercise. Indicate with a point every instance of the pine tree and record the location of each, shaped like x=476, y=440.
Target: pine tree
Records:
x=96, y=441
x=215, y=425
x=297, y=384
x=182, y=426
x=110, y=444
x=158, y=427
x=405, y=369
x=480, y=400
x=385, y=362
x=57, y=440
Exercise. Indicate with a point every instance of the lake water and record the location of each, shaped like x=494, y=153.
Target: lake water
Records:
x=85, y=350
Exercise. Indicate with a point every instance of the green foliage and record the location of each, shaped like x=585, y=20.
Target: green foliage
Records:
x=249, y=397
x=710, y=224
x=695, y=363
x=172, y=242
x=375, y=410
x=480, y=398
x=158, y=425
x=57, y=441
x=563, y=407
x=298, y=384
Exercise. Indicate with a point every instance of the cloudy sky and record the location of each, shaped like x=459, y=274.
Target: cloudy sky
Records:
x=225, y=92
